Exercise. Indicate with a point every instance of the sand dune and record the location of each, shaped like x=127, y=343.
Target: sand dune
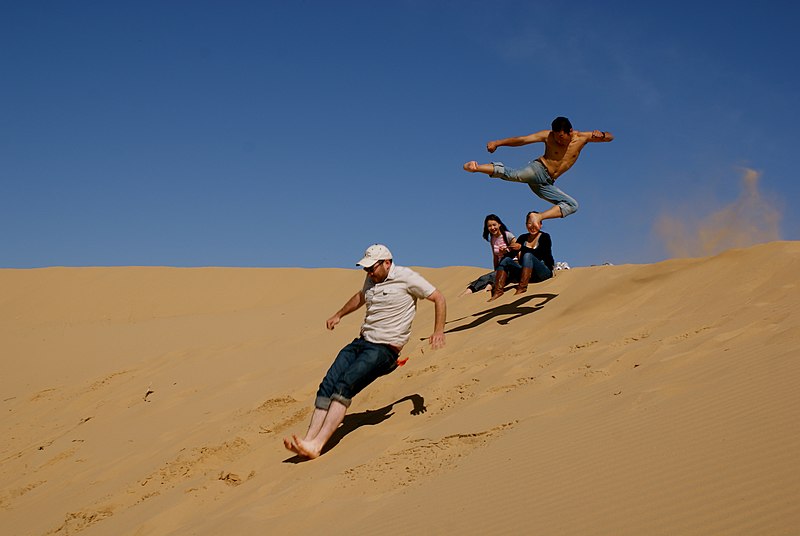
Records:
x=611, y=400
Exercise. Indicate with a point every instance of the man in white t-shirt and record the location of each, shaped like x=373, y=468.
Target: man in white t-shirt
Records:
x=390, y=293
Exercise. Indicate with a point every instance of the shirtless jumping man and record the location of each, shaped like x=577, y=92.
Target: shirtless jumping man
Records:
x=562, y=148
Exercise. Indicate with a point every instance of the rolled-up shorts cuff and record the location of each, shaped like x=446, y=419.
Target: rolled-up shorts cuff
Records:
x=323, y=402
x=342, y=399
x=499, y=170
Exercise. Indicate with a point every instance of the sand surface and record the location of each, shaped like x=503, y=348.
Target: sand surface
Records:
x=654, y=399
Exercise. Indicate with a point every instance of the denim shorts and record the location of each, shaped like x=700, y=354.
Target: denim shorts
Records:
x=538, y=179
x=358, y=364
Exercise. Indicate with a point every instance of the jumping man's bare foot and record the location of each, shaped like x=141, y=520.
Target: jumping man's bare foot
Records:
x=304, y=449
x=536, y=221
x=474, y=167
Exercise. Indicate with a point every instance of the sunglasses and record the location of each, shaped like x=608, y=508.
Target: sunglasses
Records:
x=372, y=268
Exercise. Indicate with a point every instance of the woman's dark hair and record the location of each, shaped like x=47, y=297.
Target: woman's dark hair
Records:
x=503, y=228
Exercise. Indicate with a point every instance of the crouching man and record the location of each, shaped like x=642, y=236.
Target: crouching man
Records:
x=390, y=293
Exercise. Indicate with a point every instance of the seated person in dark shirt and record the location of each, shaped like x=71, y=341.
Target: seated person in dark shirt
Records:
x=535, y=260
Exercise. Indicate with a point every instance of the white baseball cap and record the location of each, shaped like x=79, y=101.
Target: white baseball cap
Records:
x=374, y=253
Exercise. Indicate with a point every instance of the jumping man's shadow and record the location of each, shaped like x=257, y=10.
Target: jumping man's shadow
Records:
x=514, y=309
x=365, y=418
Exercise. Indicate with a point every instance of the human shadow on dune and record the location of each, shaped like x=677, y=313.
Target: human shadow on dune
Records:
x=514, y=310
x=370, y=417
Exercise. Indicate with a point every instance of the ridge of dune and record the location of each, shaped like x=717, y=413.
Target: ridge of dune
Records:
x=633, y=399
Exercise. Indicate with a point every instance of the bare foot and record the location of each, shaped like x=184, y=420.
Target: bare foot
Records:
x=471, y=166
x=304, y=449
x=289, y=445
x=536, y=221
x=465, y=292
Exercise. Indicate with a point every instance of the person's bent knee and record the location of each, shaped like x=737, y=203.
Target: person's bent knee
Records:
x=568, y=208
x=526, y=261
x=505, y=264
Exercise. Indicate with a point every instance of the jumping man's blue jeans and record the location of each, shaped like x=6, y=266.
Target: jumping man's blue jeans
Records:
x=358, y=364
x=537, y=178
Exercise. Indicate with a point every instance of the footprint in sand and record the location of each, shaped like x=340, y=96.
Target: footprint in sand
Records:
x=75, y=522
x=275, y=403
x=423, y=459
x=581, y=346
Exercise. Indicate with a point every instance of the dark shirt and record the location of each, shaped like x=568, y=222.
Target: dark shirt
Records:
x=543, y=250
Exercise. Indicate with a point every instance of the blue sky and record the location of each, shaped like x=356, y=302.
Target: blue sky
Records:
x=298, y=133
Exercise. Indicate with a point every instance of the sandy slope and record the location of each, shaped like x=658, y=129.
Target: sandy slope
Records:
x=646, y=399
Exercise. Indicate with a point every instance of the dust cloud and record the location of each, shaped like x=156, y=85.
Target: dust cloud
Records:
x=751, y=219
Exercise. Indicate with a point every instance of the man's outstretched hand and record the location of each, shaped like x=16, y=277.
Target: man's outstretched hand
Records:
x=332, y=321
x=436, y=340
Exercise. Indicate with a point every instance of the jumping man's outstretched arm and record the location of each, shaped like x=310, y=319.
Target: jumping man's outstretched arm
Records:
x=518, y=140
x=352, y=304
x=598, y=136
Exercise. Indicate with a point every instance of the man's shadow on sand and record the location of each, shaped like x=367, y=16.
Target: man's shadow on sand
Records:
x=365, y=418
x=514, y=310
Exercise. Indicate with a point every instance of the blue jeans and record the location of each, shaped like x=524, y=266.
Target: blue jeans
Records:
x=537, y=178
x=482, y=282
x=358, y=364
x=539, y=270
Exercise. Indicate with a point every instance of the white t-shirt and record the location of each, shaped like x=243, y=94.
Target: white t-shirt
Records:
x=391, y=305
